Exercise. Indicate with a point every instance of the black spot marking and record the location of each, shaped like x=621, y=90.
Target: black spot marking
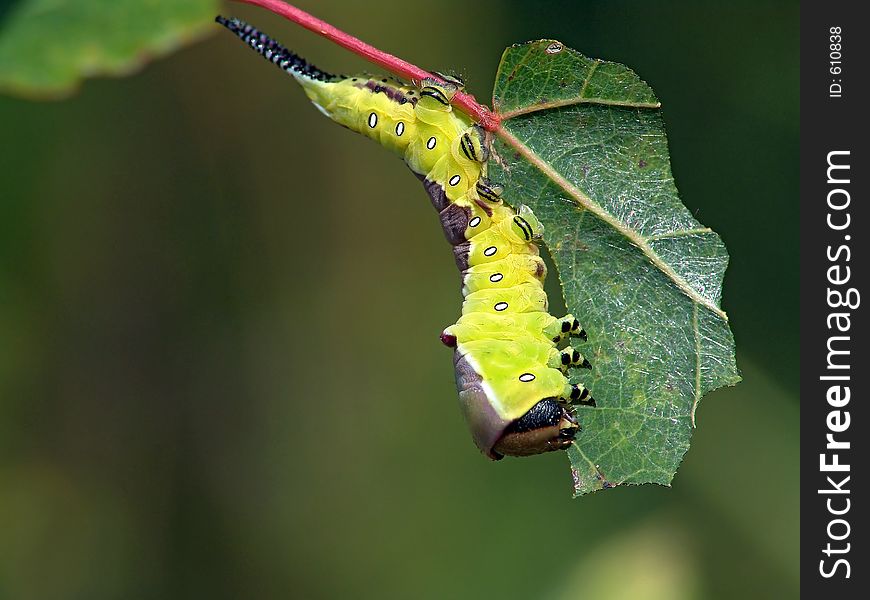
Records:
x=586, y=400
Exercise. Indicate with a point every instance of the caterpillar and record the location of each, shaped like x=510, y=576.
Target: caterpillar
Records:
x=510, y=373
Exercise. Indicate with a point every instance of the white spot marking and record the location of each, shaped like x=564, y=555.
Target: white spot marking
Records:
x=490, y=251
x=454, y=180
x=554, y=48
x=431, y=143
x=526, y=377
x=496, y=277
x=474, y=222
x=400, y=128
x=500, y=306
x=373, y=120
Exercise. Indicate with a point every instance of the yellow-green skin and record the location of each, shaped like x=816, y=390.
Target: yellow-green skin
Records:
x=505, y=341
x=500, y=345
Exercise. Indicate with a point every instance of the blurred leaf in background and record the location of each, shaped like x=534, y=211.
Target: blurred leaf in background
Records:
x=184, y=414
x=48, y=46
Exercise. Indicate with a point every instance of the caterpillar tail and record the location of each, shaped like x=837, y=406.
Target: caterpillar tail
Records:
x=275, y=53
x=340, y=97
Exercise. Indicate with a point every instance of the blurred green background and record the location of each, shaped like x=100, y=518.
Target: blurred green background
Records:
x=220, y=374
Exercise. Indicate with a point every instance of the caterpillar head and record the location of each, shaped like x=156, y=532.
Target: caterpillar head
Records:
x=547, y=426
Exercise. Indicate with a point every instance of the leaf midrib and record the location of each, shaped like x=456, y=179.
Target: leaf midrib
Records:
x=518, y=112
x=587, y=203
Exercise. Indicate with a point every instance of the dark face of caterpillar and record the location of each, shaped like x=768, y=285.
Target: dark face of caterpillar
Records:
x=547, y=426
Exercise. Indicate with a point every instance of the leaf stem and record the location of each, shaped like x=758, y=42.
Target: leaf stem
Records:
x=466, y=102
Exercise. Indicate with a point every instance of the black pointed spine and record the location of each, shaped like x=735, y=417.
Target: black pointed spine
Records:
x=273, y=51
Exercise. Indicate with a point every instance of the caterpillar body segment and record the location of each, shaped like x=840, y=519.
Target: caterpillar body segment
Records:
x=510, y=374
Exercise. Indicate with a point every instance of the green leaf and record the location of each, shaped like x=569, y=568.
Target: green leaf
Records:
x=48, y=46
x=583, y=144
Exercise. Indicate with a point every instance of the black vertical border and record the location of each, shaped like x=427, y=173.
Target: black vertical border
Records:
x=831, y=124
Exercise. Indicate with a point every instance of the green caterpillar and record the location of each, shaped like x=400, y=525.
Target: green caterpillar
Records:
x=510, y=373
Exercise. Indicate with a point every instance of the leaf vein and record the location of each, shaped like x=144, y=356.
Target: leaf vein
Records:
x=586, y=202
x=679, y=233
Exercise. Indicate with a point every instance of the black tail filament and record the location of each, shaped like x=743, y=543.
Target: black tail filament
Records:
x=273, y=51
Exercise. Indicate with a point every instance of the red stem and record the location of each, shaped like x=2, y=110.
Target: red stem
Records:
x=394, y=64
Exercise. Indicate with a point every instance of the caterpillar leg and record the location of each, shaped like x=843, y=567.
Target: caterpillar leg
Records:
x=568, y=357
x=564, y=327
x=577, y=393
